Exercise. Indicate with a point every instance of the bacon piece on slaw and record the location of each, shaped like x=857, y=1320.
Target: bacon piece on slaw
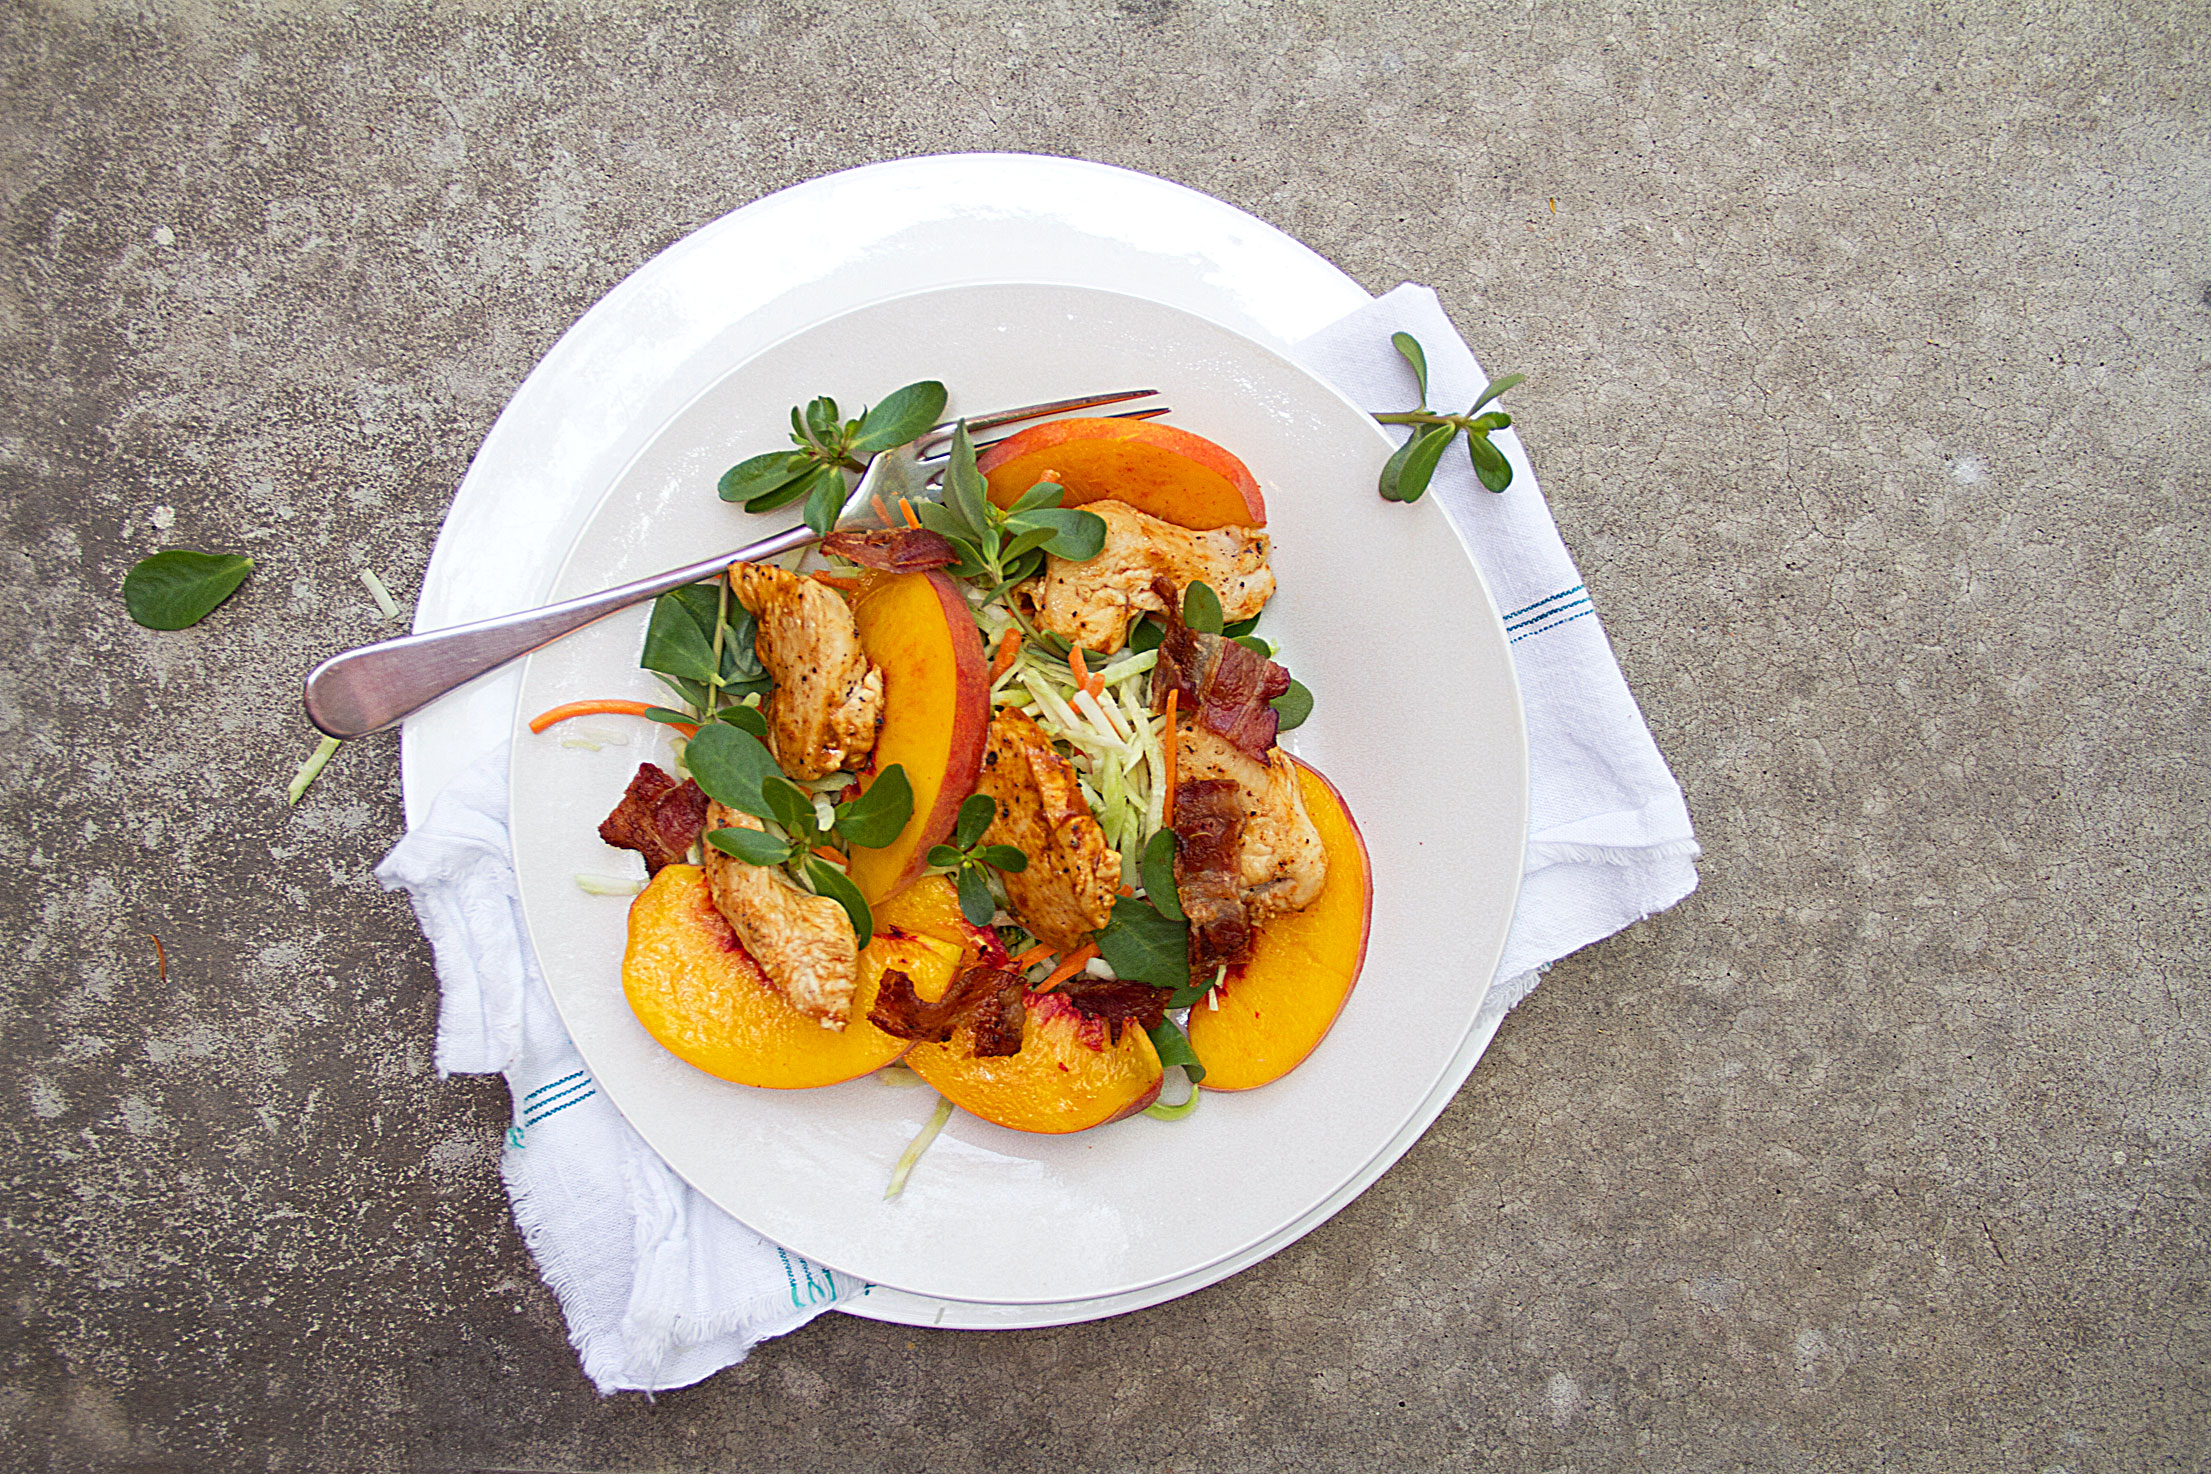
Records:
x=894, y=550
x=987, y=999
x=1209, y=829
x=1225, y=688
x=658, y=817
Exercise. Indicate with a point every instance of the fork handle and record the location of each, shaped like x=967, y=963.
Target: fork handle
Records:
x=369, y=689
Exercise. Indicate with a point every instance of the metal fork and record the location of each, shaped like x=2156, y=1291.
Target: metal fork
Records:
x=375, y=686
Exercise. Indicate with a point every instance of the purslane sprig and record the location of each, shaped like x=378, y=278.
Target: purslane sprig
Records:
x=968, y=858
x=997, y=548
x=1405, y=477
x=736, y=769
x=829, y=447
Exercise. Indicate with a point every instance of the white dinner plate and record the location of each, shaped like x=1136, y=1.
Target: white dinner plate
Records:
x=797, y=257
x=1417, y=722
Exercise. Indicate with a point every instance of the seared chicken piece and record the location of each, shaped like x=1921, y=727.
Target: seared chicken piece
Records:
x=1067, y=892
x=804, y=943
x=1091, y=604
x=828, y=701
x=1279, y=855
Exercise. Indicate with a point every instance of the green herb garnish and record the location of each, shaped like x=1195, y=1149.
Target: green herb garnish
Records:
x=1174, y=1049
x=997, y=549
x=828, y=447
x=1145, y=946
x=736, y=769
x=178, y=588
x=967, y=858
x=1408, y=472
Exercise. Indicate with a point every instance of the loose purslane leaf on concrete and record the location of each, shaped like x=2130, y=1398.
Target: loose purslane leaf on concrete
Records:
x=176, y=589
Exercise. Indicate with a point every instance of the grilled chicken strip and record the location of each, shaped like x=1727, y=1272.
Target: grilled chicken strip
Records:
x=804, y=943
x=1092, y=603
x=1067, y=892
x=828, y=700
x=1279, y=856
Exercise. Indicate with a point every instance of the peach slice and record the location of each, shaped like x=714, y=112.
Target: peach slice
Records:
x=936, y=708
x=1276, y=1007
x=1067, y=1077
x=1171, y=474
x=696, y=989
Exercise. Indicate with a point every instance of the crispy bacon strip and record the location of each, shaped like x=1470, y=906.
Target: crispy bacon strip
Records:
x=989, y=1000
x=1116, y=1002
x=1224, y=687
x=658, y=817
x=893, y=550
x=1209, y=828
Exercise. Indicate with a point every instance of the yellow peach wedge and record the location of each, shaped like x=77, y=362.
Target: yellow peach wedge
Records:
x=917, y=629
x=1067, y=1077
x=696, y=989
x=1277, y=1006
x=1171, y=474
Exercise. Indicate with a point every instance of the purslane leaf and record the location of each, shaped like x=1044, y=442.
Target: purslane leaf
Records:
x=745, y=719
x=1158, y=873
x=1201, y=608
x=763, y=475
x=877, y=816
x=731, y=766
x=825, y=498
x=1078, y=536
x=965, y=491
x=976, y=812
x=1003, y=857
x=1292, y=707
x=1409, y=345
x=976, y=902
x=1496, y=388
x=1173, y=1048
x=831, y=882
x=903, y=415
x=1144, y=946
x=792, y=807
x=674, y=643
x=753, y=846
x=1420, y=467
x=1490, y=466
x=177, y=588
x=1043, y=494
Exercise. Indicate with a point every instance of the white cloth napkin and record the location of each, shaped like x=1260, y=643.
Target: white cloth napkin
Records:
x=660, y=1287
x=1609, y=840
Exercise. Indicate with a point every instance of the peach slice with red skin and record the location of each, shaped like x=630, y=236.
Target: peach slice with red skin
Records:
x=1275, y=1008
x=1067, y=1077
x=1171, y=474
x=696, y=989
x=918, y=630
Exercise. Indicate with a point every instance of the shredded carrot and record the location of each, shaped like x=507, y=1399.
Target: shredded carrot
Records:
x=826, y=853
x=603, y=708
x=1167, y=753
x=1009, y=645
x=837, y=580
x=906, y=508
x=882, y=513
x=1032, y=957
x=1095, y=685
x=1068, y=966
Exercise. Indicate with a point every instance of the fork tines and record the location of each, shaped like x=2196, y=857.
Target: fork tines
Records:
x=941, y=436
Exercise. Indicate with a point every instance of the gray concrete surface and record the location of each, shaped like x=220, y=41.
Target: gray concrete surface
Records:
x=1871, y=381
